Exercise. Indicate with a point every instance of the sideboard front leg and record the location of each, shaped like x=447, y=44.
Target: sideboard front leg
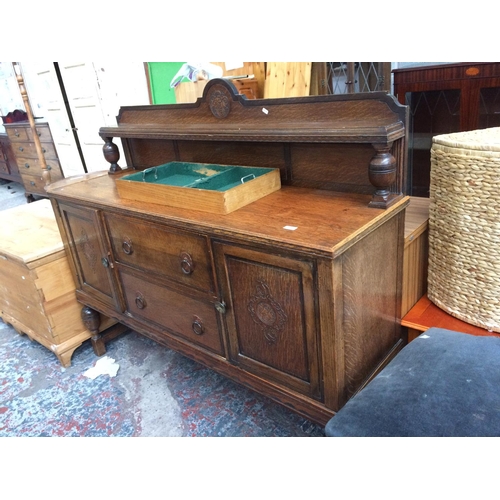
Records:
x=92, y=320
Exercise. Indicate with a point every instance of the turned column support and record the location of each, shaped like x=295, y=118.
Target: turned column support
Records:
x=112, y=155
x=92, y=320
x=382, y=175
x=31, y=119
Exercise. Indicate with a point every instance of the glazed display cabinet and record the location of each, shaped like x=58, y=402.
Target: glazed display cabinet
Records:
x=444, y=99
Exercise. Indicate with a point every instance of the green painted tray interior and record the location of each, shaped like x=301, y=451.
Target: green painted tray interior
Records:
x=198, y=175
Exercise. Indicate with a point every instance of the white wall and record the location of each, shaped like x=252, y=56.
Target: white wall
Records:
x=95, y=92
x=10, y=95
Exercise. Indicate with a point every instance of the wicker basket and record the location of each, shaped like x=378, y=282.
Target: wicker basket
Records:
x=464, y=226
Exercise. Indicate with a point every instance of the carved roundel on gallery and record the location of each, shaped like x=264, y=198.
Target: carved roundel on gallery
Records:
x=219, y=101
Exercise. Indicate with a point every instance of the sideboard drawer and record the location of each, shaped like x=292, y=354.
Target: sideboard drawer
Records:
x=176, y=255
x=191, y=319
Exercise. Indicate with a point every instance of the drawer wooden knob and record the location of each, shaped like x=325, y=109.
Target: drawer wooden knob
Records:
x=197, y=326
x=187, y=265
x=140, y=301
x=127, y=246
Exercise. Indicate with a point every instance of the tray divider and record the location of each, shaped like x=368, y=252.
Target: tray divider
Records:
x=206, y=179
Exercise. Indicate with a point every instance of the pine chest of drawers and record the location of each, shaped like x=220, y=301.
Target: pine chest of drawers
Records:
x=24, y=149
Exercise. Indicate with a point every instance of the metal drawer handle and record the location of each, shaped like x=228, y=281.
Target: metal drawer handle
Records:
x=21, y=148
x=127, y=246
x=187, y=265
x=197, y=326
x=105, y=262
x=16, y=134
x=27, y=165
x=221, y=307
x=140, y=301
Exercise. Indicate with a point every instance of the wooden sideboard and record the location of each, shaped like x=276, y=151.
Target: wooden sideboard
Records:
x=296, y=295
x=30, y=169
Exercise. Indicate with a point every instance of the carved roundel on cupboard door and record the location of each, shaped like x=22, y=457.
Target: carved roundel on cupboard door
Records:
x=219, y=102
x=266, y=312
x=88, y=250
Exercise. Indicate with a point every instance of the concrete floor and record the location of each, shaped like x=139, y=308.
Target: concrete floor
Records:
x=11, y=194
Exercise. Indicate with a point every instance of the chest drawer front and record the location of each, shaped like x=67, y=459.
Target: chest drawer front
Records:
x=31, y=166
x=28, y=150
x=43, y=134
x=17, y=134
x=191, y=319
x=33, y=183
x=181, y=257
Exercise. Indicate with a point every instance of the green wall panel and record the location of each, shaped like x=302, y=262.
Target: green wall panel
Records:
x=160, y=76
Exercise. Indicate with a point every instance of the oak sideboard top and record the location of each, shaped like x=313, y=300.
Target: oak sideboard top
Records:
x=325, y=223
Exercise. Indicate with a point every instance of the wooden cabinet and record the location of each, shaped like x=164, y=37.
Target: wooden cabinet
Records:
x=23, y=146
x=305, y=321
x=444, y=99
x=296, y=295
x=8, y=165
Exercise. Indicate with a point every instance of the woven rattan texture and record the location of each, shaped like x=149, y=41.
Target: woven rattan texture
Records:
x=464, y=227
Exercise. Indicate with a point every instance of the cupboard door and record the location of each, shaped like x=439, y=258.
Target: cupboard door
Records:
x=90, y=255
x=270, y=316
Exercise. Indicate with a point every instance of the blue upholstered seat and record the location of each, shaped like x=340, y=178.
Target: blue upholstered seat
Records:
x=444, y=383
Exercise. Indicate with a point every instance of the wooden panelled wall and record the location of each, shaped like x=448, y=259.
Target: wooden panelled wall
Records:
x=274, y=79
x=277, y=79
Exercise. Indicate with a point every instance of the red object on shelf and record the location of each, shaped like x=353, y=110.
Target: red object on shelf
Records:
x=15, y=116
